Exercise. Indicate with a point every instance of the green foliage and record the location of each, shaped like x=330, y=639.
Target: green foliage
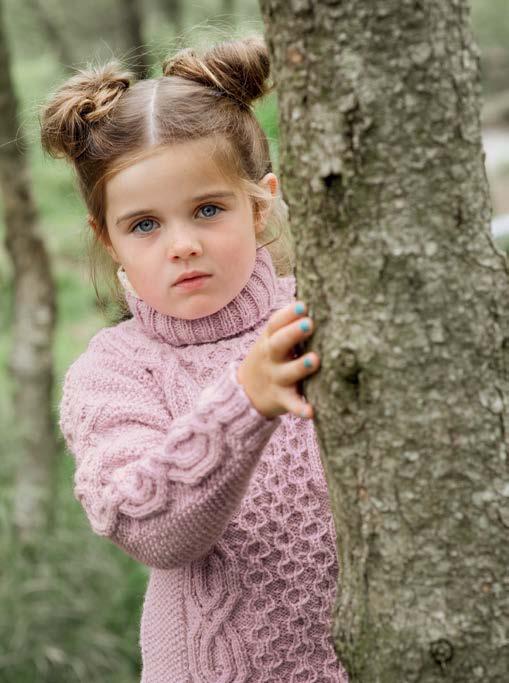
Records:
x=267, y=114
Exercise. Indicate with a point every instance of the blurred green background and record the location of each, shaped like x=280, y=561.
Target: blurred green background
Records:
x=70, y=609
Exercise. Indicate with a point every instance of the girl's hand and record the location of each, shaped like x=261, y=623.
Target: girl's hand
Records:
x=270, y=372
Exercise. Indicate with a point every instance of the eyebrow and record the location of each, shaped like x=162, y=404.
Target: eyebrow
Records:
x=199, y=198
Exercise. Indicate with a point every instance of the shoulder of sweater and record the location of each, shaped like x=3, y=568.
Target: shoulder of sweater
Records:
x=121, y=345
x=126, y=338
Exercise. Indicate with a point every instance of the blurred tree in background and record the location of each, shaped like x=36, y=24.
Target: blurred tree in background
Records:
x=30, y=358
x=174, y=12
x=133, y=36
x=57, y=37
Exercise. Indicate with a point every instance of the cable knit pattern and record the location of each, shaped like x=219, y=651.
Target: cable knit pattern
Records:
x=229, y=508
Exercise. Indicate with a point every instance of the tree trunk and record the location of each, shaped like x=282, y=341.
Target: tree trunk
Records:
x=137, y=57
x=55, y=34
x=379, y=120
x=174, y=11
x=34, y=318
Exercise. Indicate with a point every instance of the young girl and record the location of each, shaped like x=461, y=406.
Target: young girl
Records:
x=192, y=448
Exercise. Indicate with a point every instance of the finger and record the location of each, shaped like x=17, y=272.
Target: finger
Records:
x=307, y=411
x=285, y=315
x=292, y=372
x=281, y=343
x=299, y=406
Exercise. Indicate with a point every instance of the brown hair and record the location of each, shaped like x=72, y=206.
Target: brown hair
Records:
x=100, y=121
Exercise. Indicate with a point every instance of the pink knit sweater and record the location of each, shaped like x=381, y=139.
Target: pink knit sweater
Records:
x=228, y=508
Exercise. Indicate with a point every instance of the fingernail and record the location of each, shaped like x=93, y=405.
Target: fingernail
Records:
x=300, y=308
x=308, y=363
x=305, y=326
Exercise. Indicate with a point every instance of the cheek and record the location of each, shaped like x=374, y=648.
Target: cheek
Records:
x=142, y=276
x=238, y=254
x=137, y=256
x=240, y=260
x=238, y=240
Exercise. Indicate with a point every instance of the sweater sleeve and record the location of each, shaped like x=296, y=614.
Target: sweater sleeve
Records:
x=162, y=489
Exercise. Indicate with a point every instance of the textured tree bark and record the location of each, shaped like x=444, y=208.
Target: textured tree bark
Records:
x=34, y=319
x=382, y=168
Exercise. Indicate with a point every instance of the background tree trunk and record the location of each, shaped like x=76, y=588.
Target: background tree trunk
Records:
x=57, y=36
x=137, y=57
x=174, y=12
x=34, y=318
x=379, y=120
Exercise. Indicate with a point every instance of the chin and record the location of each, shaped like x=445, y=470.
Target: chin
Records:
x=202, y=312
x=192, y=312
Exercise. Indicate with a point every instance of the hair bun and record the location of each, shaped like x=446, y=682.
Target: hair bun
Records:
x=85, y=99
x=238, y=68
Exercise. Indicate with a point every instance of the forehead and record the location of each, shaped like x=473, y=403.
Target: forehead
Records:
x=192, y=162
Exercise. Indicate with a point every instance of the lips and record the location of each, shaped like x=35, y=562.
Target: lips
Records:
x=194, y=283
x=193, y=275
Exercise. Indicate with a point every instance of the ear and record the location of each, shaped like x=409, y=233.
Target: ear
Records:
x=270, y=183
x=107, y=245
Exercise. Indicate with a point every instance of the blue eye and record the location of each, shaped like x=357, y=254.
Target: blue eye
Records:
x=142, y=224
x=210, y=206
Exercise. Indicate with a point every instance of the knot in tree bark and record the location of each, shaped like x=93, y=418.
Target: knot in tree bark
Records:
x=442, y=651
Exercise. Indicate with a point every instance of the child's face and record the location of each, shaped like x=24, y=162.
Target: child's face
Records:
x=174, y=232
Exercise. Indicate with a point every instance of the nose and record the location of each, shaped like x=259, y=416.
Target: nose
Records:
x=181, y=244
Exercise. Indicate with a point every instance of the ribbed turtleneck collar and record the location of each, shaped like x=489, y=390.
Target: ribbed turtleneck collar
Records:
x=252, y=304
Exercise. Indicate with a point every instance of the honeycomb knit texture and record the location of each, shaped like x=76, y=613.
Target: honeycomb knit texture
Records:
x=228, y=508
